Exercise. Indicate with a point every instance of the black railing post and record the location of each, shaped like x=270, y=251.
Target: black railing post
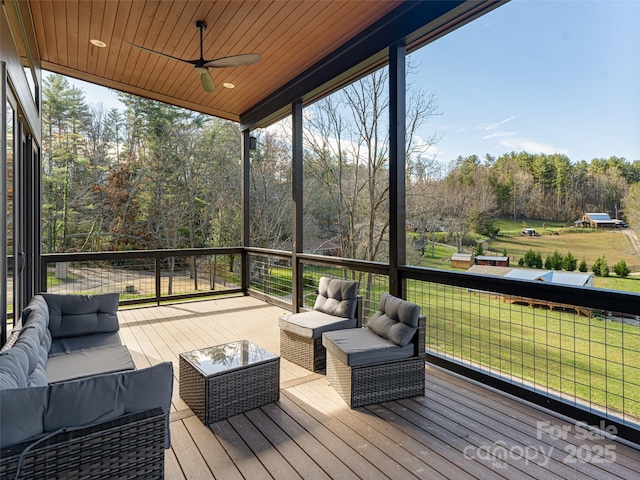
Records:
x=297, y=291
x=158, y=270
x=44, y=268
x=397, y=128
x=245, y=281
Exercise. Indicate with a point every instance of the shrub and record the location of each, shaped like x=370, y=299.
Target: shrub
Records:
x=555, y=261
x=569, y=263
x=547, y=262
x=521, y=262
x=600, y=267
x=538, y=261
x=583, y=266
x=621, y=269
x=529, y=258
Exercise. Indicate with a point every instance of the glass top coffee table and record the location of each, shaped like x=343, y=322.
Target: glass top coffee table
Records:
x=225, y=380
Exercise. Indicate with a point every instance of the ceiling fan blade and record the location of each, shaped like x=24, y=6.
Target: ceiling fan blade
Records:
x=163, y=54
x=234, y=61
x=205, y=79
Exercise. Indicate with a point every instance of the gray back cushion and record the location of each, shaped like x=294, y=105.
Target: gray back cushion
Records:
x=14, y=368
x=337, y=297
x=73, y=315
x=395, y=320
x=104, y=397
x=22, y=414
x=37, y=304
x=23, y=365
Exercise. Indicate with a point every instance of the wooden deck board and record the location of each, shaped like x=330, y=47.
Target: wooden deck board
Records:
x=310, y=432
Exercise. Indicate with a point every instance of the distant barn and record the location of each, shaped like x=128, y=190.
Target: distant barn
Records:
x=492, y=260
x=598, y=220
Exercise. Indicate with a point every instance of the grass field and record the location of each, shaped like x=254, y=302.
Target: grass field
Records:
x=582, y=243
x=586, y=359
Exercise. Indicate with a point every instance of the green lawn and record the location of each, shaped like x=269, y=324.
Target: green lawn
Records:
x=589, y=358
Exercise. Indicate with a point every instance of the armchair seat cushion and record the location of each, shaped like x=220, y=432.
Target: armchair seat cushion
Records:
x=361, y=346
x=313, y=324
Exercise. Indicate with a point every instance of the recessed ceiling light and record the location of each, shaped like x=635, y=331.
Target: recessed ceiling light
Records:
x=97, y=43
x=228, y=85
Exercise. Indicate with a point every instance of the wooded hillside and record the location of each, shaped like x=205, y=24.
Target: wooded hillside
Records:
x=156, y=176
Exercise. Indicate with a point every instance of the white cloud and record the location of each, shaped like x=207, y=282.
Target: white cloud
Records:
x=488, y=126
x=498, y=135
x=531, y=146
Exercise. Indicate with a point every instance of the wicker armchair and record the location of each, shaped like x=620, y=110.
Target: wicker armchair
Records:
x=382, y=362
x=336, y=307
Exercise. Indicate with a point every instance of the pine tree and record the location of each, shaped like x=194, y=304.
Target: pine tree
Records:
x=569, y=262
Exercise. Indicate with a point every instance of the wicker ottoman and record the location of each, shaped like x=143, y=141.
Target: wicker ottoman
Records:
x=225, y=380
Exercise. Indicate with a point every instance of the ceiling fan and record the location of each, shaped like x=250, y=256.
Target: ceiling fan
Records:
x=202, y=66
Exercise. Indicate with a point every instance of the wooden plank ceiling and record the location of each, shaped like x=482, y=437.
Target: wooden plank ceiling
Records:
x=290, y=35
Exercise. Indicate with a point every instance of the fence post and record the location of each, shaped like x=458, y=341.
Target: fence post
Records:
x=158, y=270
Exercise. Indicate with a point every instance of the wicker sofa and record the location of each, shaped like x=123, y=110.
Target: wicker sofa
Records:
x=336, y=307
x=72, y=404
x=382, y=362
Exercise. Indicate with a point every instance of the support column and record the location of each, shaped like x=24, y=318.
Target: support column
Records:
x=296, y=199
x=246, y=208
x=3, y=203
x=397, y=167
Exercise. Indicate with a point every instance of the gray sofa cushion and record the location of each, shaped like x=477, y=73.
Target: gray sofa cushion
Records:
x=14, y=366
x=361, y=346
x=337, y=297
x=31, y=342
x=84, y=363
x=104, y=397
x=61, y=346
x=395, y=320
x=313, y=324
x=73, y=315
x=37, y=304
x=23, y=364
x=22, y=414
x=39, y=320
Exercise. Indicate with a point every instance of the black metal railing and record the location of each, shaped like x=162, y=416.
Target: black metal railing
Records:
x=575, y=350
x=149, y=276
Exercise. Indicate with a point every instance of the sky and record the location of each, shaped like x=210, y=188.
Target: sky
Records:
x=538, y=76
x=541, y=76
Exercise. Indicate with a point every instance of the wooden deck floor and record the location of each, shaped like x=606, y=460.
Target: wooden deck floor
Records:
x=457, y=430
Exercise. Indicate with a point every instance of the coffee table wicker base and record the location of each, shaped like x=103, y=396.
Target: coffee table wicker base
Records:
x=214, y=398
